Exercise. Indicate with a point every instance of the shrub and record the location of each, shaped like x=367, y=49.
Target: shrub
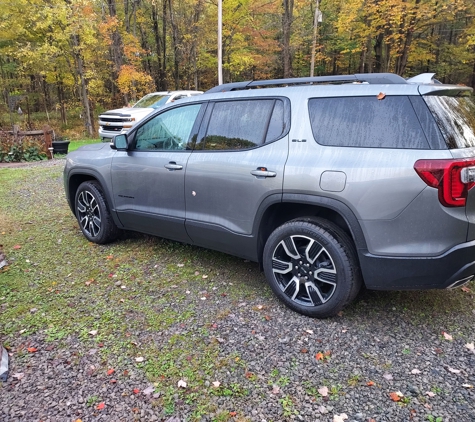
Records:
x=22, y=149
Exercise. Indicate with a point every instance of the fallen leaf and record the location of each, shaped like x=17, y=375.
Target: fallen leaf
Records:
x=204, y=276
x=32, y=349
x=304, y=350
x=113, y=381
x=387, y=376
x=78, y=420
x=17, y=247
x=139, y=359
x=101, y=406
x=395, y=396
x=471, y=347
x=323, y=391
x=18, y=375
x=275, y=389
x=136, y=390
x=93, y=332
x=370, y=383
x=340, y=418
x=453, y=370
x=319, y=356
x=467, y=385
x=110, y=257
x=267, y=317
x=447, y=336
x=466, y=289
x=149, y=390
x=309, y=331
x=430, y=394
x=415, y=372
x=216, y=384
x=322, y=409
x=381, y=96
x=182, y=384
x=110, y=371
x=180, y=265
x=232, y=414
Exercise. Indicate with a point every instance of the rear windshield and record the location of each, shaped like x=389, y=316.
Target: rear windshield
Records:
x=152, y=101
x=455, y=117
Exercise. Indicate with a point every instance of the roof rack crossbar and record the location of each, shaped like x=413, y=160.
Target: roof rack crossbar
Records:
x=371, y=78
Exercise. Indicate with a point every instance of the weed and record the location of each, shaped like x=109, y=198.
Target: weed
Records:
x=432, y=418
x=92, y=400
x=283, y=381
x=288, y=407
x=354, y=380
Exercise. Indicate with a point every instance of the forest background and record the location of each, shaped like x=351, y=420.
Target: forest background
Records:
x=64, y=61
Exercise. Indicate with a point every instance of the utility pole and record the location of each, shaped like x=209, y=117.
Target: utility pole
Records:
x=220, y=42
x=317, y=18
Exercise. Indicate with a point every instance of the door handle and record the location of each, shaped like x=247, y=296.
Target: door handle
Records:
x=262, y=172
x=172, y=165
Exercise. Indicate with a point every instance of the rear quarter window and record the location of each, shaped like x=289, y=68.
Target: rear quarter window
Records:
x=366, y=122
x=455, y=117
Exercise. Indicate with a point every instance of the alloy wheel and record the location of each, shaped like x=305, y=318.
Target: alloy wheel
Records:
x=304, y=270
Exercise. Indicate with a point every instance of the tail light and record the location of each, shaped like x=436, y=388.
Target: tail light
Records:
x=452, y=178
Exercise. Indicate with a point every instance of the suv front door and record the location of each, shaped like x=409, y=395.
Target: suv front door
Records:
x=148, y=179
x=237, y=164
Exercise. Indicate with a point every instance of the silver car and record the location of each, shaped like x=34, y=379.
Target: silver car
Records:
x=331, y=183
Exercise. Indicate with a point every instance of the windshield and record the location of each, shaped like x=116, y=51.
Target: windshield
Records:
x=455, y=117
x=152, y=101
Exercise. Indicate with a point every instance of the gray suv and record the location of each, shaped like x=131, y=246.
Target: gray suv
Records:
x=331, y=183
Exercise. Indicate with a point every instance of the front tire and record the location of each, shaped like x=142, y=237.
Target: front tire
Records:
x=311, y=266
x=93, y=214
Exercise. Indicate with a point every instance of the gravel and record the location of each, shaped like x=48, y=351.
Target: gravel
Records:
x=386, y=346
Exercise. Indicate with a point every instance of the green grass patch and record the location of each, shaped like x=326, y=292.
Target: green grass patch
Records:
x=74, y=145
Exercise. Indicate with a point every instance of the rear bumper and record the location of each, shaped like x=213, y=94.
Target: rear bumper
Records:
x=451, y=269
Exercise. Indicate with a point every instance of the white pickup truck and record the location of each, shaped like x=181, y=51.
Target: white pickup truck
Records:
x=121, y=120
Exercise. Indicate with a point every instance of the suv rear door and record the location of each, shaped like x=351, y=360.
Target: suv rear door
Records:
x=237, y=163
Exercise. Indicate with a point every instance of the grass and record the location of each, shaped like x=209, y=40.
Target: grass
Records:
x=74, y=145
x=133, y=292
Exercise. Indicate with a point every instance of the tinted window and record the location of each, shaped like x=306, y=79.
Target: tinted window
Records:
x=169, y=130
x=243, y=124
x=366, y=122
x=455, y=117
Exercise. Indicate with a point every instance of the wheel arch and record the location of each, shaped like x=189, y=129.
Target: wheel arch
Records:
x=295, y=206
x=78, y=176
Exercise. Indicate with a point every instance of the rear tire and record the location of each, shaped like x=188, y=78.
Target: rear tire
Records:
x=93, y=214
x=311, y=266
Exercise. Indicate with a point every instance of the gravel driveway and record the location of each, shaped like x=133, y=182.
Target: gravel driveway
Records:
x=391, y=356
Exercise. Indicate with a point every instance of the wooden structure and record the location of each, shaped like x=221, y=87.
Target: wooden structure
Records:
x=45, y=135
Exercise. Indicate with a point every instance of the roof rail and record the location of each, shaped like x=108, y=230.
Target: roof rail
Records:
x=371, y=78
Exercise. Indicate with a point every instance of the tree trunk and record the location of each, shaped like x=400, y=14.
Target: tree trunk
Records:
x=88, y=122
x=159, y=47
x=378, y=53
x=176, y=50
x=116, y=50
x=287, y=16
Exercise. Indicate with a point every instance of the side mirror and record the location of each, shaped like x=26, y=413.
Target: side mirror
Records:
x=119, y=142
